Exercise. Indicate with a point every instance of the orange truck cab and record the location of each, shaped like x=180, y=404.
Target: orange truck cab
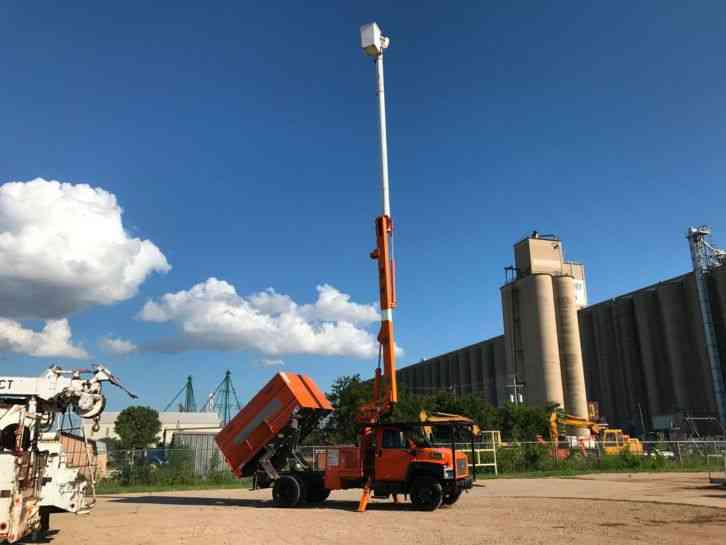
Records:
x=263, y=440
x=397, y=458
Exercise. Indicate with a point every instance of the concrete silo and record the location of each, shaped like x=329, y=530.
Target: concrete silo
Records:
x=540, y=304
x=570, y=347
x=540, y=347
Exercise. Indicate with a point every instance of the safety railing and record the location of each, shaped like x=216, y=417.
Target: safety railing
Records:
x=717, y=476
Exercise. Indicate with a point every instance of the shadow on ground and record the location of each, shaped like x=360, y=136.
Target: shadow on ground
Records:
x=190, y=501
x=47, y=537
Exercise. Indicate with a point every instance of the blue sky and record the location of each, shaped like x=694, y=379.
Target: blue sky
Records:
x=241, y=140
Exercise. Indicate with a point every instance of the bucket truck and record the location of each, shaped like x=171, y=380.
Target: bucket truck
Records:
x=34, y=479
x=390, y=458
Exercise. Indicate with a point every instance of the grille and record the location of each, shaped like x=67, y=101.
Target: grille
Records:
x=461, y=467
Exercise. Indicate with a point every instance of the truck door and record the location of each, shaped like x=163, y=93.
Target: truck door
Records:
x=393, y=456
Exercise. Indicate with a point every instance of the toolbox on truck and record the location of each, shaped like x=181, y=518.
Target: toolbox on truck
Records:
x=281, y=414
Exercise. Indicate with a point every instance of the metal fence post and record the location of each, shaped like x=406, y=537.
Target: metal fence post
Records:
x=680, y=456
x=494, y=451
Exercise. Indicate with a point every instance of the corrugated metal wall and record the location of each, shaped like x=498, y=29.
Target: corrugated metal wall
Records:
x=475, y=369
x=643, y=354
x=645, y=351
x=206, y=454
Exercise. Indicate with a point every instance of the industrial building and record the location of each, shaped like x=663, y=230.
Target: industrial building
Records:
x=640, y=358
x=171, y=423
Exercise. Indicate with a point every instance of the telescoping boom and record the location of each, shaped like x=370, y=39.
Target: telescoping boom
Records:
x=385, y=392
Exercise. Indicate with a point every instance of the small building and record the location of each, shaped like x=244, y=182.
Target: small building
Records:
x=171, y=423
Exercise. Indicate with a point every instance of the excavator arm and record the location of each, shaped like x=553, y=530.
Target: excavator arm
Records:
x=557, y=420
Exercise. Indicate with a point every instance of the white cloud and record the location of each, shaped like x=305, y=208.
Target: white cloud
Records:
x=272, y=363
x=54, y=340
x=117, y=346
x=211, y=315
x=335, y=306
x=271, y=302
x=63, y=247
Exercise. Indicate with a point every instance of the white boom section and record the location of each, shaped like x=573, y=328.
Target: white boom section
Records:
x=373, y=42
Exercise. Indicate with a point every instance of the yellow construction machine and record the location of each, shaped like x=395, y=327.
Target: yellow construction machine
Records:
x=613, y=441
x=425, y=416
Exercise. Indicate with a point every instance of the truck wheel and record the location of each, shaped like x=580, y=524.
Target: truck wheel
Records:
x=316, y=494
x=452, y=498
x=287, y=491
x=44, y=520
x=427, y=493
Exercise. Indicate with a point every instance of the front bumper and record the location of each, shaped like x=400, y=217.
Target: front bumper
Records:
x=453, y=486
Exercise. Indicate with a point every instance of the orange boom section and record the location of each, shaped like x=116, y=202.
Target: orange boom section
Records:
x=287, y=400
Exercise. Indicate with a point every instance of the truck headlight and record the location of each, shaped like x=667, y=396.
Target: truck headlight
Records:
x=449, y=473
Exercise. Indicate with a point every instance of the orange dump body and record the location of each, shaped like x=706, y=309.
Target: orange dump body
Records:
x=266, y=415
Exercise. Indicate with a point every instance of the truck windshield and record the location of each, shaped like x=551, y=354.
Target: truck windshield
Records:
x=402, y=439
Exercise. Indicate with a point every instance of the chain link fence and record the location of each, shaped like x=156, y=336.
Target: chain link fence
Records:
x=598, y=456
x=166, y=467
x=194, y=465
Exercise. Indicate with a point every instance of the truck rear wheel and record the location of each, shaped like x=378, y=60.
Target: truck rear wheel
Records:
x=287, y=491
x=427, y=493
x=316, y=494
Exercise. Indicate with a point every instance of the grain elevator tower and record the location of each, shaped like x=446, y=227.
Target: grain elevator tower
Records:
x=540, y=301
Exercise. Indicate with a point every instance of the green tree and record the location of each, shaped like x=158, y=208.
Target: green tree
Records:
x=347, y=394
x=516, y=422
x=523, y=423
x=137, y=427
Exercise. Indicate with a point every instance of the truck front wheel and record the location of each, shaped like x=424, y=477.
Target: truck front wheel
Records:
x=287, y=491
x=427, y=493
x=452, y=497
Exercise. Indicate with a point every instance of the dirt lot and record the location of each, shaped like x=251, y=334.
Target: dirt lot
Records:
x=654, y=509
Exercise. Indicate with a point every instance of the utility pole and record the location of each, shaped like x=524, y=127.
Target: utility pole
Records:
x=517, y=395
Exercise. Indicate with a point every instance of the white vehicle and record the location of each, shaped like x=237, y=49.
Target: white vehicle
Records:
x=65, y=488
x=28, y=409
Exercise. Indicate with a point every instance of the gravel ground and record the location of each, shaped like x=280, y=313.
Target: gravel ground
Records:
x=617, y=509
